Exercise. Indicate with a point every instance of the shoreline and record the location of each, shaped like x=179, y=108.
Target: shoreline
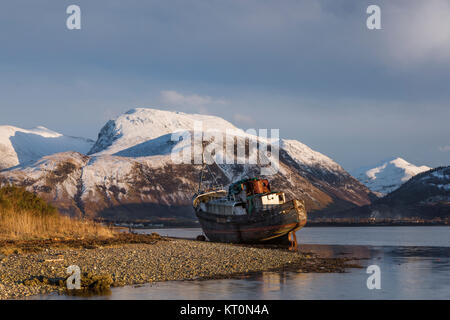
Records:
x=159, y=259
x=308, y=225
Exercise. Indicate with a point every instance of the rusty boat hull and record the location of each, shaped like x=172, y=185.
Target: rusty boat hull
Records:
x=259, y=227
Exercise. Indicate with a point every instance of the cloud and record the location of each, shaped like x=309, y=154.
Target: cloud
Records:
x=331, y=82
x=444, y=148
x=418, y=30
x=195, y=102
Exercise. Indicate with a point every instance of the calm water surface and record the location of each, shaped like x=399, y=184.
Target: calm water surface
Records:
x=414, y=263
x=371, y=236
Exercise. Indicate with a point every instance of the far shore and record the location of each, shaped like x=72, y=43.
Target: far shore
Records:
x=308, y=225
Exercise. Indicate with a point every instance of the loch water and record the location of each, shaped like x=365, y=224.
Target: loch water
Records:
x=414, y=264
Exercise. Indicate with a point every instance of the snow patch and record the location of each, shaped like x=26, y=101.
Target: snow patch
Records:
x=388, y=175
x=21, y=146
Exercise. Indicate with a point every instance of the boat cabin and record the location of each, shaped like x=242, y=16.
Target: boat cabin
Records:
x=250, y=187
x=243, y=197
x=256, y=193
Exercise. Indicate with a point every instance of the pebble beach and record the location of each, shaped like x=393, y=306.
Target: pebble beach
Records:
x=138, y=263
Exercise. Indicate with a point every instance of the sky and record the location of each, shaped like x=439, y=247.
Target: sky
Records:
x=309, y=68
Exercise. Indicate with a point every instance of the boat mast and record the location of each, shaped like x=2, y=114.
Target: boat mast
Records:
x=203, y=166
x=207, y=166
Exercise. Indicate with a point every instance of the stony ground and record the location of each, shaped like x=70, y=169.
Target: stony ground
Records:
x=137, y=263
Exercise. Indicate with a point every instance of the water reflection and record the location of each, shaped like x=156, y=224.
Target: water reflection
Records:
x=429, y=236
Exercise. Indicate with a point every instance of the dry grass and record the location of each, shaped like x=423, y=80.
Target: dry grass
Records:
x=25, y=225
x=25, y=216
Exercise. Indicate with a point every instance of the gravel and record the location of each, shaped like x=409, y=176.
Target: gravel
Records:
x=129, y=264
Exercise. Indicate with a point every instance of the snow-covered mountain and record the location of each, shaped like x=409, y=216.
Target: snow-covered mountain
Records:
x=424, y=196
x=388, y=175
x=20, y=146
x=143, y=124
x=129, y=172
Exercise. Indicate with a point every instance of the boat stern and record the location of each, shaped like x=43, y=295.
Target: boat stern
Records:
x=300, y=209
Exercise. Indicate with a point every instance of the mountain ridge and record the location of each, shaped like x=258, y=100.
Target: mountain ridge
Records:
x=424, y=196
x=24, y=146
x=388, y=175
x=139, y=125
x=129, y=172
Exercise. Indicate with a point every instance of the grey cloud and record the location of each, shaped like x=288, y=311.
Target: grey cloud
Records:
x=332, y=82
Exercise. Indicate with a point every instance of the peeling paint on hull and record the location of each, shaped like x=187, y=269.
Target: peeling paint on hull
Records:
x=257, y=227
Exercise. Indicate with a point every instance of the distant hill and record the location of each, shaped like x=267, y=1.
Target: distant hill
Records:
x=388, y=175
x=22, y=147
x=426, y=195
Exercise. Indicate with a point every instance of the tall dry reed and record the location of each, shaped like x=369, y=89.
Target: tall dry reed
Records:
x=25, y=216
x=26, y=226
